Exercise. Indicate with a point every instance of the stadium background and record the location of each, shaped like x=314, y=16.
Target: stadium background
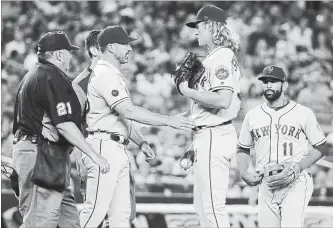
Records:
x=296, y=35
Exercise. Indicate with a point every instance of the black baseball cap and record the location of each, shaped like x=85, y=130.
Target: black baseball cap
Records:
x=114, y=34
x=211, y=13
x=53, y=41
x=273, y=72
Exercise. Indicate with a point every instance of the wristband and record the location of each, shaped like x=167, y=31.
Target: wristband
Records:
x=89, y=70
x=143, y=142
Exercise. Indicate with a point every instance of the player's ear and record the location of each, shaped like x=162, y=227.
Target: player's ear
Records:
x=58, y=55
x=285, y=86
x=111, y=48
x=93, y=51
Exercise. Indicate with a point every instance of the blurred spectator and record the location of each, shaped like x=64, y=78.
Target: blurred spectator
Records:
x=315, y=94
x=329, y=183
x=301, y=34
x=234, y=190
x=319, y=187
x=322, y=46
x=16, y=45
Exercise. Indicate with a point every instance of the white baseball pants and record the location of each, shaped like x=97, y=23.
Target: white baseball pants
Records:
x=285, y=207
x=214, y=148
x=107, y=193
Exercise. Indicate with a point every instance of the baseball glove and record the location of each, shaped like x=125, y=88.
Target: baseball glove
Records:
x=187, y=160
x=189, y=69
x=283, y=177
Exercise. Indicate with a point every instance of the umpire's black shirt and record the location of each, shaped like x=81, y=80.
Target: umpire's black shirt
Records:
x=45, y=98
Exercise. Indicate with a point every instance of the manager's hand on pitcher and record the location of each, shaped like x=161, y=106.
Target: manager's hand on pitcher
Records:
x=181, y=122
x=101, y=162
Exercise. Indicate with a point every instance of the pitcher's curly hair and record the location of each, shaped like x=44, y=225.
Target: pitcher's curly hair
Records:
x=223, y=35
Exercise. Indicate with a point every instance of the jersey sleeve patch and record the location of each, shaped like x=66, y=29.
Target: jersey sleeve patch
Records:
x=222, y=72
x=115, y=92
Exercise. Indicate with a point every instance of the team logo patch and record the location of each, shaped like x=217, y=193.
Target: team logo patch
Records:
x=115, y=92
x=270, y=69
x=222, y=72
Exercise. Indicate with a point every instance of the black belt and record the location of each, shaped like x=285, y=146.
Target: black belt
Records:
x=117, y=138
x=205, y=126
x=22, y=136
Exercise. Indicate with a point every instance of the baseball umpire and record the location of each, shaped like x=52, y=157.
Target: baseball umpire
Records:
x=46, y=125
x=281, y=133
x=213, y=86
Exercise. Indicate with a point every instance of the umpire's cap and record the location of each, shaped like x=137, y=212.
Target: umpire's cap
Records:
x=273, y=72
x=211, y=13
x=114, y=34
x=53, y=41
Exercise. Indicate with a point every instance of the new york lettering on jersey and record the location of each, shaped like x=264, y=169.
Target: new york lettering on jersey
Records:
x=222, y=72
x=280, y=135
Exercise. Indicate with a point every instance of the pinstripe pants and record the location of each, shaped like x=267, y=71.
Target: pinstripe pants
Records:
x=107, y=193
x=213, y=148
x=285, y=207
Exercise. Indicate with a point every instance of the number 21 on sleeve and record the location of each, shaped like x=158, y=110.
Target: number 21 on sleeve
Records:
x=64, y=109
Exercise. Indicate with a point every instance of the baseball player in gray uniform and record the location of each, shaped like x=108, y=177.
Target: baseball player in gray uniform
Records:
x=110, y=126
x=286, y=139
x=89, y=172
x=215, y=102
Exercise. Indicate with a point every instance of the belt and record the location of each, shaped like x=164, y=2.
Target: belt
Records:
x=205, y=126
x=117, y=138
x=21, y=136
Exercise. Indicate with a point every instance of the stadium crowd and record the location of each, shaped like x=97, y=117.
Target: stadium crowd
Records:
x=295, y=35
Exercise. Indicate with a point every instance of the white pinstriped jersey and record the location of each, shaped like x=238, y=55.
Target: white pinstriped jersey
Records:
x=221, y=72
x=282, y=135
x=105, y=90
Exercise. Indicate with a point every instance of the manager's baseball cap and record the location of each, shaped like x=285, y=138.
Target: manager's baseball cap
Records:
x=53, y=41
x=211, y=13
x=114, y=34
x=273, y=72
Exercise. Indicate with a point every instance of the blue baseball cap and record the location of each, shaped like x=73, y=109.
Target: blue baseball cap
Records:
x=114, y=34
x=211, y=13
x=273, y=72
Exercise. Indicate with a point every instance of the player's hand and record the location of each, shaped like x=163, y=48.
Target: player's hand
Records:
x=82, y=170
x=181, y=122
x=101, y=162
x=148, y=152
x=150, y=155
x=187, y=160
x=252, y=179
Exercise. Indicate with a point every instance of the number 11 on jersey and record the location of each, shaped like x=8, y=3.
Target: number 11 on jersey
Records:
x=287, y=149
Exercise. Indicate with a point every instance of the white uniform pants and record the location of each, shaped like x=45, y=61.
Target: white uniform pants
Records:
x=285, y=207
x=214, y=148
x=107, y=193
